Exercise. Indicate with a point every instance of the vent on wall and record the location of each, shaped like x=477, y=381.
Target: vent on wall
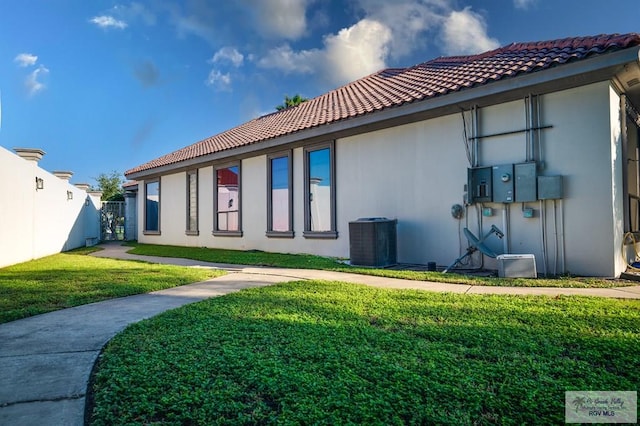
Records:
x=372, y=242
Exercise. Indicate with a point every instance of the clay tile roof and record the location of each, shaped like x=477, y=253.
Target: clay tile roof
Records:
x=397, y=86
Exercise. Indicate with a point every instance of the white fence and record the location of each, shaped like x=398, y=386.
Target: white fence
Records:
x=41, y=213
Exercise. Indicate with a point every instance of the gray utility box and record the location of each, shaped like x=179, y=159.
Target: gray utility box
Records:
x=372, y=242
x=525, y=182
x=550, y=187
x=516, y=266
x=502, y=183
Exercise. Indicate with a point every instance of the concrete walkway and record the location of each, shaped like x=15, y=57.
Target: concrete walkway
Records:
x=46, y=360
x=120, y=252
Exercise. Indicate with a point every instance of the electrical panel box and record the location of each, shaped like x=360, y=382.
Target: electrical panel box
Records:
x=479, y=185
x=503, y=183
x=550, y=187
x=525, y=182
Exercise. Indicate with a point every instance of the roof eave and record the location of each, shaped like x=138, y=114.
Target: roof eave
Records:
x=564, y=76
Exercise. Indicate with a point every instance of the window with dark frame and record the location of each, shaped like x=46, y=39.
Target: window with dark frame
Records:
x=152, y=207
x=279, y=196
x=192, y=203
x=227, y=218
x=319, y=191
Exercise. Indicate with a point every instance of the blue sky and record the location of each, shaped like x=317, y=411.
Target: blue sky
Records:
x=108, y=85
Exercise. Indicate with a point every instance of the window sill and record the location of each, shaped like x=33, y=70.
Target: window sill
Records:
x=325, y=235
x=226, y=233
x=280, y=234
x=150, y=232
x=194, y=233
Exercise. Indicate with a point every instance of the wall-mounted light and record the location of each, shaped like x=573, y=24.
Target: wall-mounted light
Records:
x=86, y=202
x=39, y=183
x=69, y=195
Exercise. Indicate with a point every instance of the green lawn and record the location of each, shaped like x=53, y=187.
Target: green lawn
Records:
x=72, y=279
x=331, y=353
x=305, y=261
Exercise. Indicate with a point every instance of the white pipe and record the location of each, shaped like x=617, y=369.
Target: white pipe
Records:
x=542, y=238
x=480, y=231
x=555, y=239
x=527, y=125
x=505, y=228
x=539, y=133
x=475, y=128
x=562, y=245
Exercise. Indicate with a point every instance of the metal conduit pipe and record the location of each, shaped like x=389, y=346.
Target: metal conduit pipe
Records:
x=562, y=247
x=475, y=129
x=505, y=228
x=542, y=237
x=527, y=126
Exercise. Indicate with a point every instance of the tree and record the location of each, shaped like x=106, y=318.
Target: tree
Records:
x=110, y=185
x=291, y=102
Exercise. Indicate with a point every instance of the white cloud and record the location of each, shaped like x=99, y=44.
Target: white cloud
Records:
x=228, y=54
x=284, y=58
x=465, y=33
x=408, y=20
x=32, y=81
x=348, y=55
x=523, y=4
x=194, y=18
x=26, y=59
x=357, y=51
x=224, y=56
x=281, y=18
x=106, y=21
x=413, y=23
x=388, y=31
x=218, y=80
x=134, y=11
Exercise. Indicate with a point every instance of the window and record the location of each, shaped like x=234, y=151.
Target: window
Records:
x=192, y=203
x=319, y=191
x=152, y=207
x=227, y=220
x=279, y=196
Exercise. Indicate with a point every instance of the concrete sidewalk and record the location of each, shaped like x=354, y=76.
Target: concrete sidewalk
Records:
x=46, y=360
x=118, y=251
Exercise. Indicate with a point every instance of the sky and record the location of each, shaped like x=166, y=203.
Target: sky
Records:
x=105, y=86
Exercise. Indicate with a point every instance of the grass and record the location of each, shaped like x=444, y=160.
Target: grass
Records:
x=71, y=279
x=333, y=353
x=305, y=261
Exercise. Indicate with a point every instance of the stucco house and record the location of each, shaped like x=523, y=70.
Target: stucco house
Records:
x=539, y=139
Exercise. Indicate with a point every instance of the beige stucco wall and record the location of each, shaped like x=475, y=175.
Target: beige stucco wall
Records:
x=415, y=173
x=36, y=223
